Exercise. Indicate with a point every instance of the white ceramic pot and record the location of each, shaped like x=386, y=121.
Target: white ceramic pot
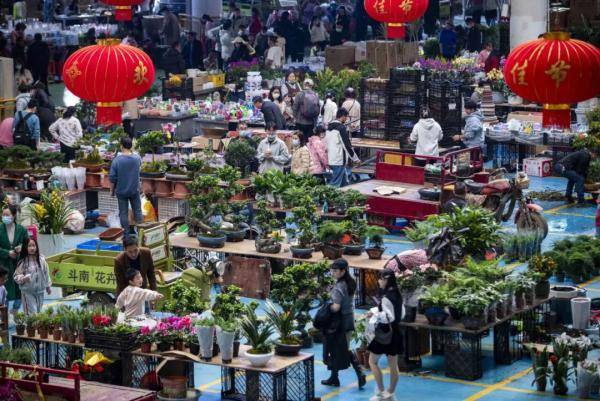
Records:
x=497, y=97
x=225, y=340
x=259, y=360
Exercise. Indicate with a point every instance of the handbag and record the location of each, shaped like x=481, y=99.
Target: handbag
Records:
x=383, y=332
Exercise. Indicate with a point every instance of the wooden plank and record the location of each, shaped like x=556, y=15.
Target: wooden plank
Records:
x=375, y=144
x=247, y=248
x=94, y=391
x=368, y=188
x=49, y=340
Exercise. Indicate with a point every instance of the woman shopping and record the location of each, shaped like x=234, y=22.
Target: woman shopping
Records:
x=336, y=347
x=33, y=277
x=384, y=335
x=12, y=238
x=67, y=130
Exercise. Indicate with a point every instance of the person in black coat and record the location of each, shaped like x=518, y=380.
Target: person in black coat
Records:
x=192, y=52
x=271, y=112
x=574, y=167
x=474, y=37
x=173, y=62
x=38, y=59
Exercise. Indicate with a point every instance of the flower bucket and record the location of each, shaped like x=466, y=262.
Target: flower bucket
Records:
x=205, y=339
x=580, y=309
x=225, y=340
x=80, y=177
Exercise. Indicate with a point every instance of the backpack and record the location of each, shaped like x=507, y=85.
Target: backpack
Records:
x=21, y=134
x=310, y=106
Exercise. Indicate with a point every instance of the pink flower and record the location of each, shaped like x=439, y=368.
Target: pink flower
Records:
x=145, y=331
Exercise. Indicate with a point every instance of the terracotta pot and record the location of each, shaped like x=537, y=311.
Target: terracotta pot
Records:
x=105, y=181
x=180, y=190
x=163, y=188
x=57, y=334
x=178, y=345
x=65, y=336
x=72, y=338
x=20, y=329
x=30, y=331
x=90, y=168
x=43, y=333
x=146, y=348
x=93, y=180
x=332, y=252
x=147, y=186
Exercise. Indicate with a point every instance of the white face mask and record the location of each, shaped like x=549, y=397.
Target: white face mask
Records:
x=271, y=137
x=296, y=142
x=276, y=95
x=7, y=219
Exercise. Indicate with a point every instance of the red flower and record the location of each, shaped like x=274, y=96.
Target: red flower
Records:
x=99, y=368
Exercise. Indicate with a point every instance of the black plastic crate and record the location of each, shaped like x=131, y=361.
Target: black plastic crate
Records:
x=98, y=340
x=404, y=101
x=444, y=90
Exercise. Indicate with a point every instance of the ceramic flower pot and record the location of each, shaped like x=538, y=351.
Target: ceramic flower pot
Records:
x=234, y=235
x=259, y=360
x=211, y=241
x=267, y=245
x=301, y=253
x=148, y=186
x=375, y=253
x=355, y=250
x=332, y=252
x=205, y=340
x=93, y=180
x=287, y=349
x=225, y=340
x=43, y=332
x=57, y=334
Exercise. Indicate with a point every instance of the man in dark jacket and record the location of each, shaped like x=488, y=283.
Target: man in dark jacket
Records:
x=136, y=258
x=173, y=62
x=271, y=112
x=38, y=59
x=574, y=167
x=474, y=37
x=192, y=53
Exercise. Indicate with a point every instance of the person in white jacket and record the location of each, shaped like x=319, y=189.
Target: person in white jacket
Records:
x=427, y=133
x=132, y=299
x=226, y=37
x=33, y=277
x=329, y=109
x=318, y=33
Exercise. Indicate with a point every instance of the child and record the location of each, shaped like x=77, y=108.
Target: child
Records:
x=32, y=276
x=131, y=300
x=3, y=293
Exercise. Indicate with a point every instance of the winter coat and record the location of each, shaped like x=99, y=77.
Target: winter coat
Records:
x=6, y=261
x=272, y=113
x=301, y=161
x=318, y=155
x=353, y=107
x=21, y=101
x=339, y=147
x=329, y=111
x=279, y=159
x=38, y=273
x=427, y=133
x=474, y=136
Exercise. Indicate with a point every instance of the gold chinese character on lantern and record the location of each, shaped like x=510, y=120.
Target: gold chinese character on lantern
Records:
x=139, y=75
x=518, y=73
x=558, y=72
x=73, y=71
x=406, y=5
x=380, y=6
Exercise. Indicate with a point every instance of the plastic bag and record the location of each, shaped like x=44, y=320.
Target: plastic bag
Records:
x=75, y=222
x=113, y=221
x=80, y=177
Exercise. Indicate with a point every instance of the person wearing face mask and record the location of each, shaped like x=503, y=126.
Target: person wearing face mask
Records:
x=339, y=149
x=272, y=152
x=291, y=86
x=318, y=154
x=271, y=112
x=275, y=97
x=300, y=155
x=134, y=257
x=12, y=238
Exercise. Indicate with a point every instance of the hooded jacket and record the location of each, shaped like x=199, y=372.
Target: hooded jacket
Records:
x=339, y=146
x=427, y=133
x=473, y=135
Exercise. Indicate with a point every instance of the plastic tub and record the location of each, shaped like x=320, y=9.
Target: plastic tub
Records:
x=111, y=234
x=96, y=244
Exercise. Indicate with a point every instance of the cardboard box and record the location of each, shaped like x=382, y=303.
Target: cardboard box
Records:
x=205, y=142
x=339, y=57
x=538, y=166
x=198, y=82
x=523, y=116
x=387, y=54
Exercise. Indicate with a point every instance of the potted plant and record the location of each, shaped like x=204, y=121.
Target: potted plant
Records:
x=266, y=222
x=20, y=320
x=146, y=339
x=545, y=266
x=31, y=325
x=226, y=331
x=44, y=323
x=185, y=299
x=357, y=229
x=587, y=372
x=230, y=308
x=192, y=342
x=151, y=143
x=561, y=367
x=409, y=284
x=284, y=323
x=359, y=337
x=163, y=337
x=540, y=368
x=205, y=328
x=240, y=154
x=473, y=307
x=179, y=339
x=374, y=235
x=16, y=160
x=419, y=233
x=56, y=328
x=331, y=234
x=235, y=223
x=434, y=302
x=305, y=218
x=257, y=334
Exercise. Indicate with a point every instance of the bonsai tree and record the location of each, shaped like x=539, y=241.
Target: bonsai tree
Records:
x=236, y=215
x=331, y=233
x=185, y=300
x=240, y=154
x=17, y=157
x=265, y=219
x=305, y=218
x=284, y=323
x=42, y=161
x=90, y=140
x=150, y=143
x=228, y=306
x=374, y=235
x=353, y=197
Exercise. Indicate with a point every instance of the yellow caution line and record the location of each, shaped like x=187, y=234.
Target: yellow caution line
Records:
x=557, y=208
x=592, y=281
x=539, y=393
x=498, y=386
x=206, y=386
x=587, y=216
x=512, y=266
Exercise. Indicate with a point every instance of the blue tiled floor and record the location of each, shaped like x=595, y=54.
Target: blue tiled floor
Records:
x=499, y=383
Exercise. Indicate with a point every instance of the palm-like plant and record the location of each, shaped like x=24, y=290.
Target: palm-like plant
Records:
x=284, y=323
x=257, y=333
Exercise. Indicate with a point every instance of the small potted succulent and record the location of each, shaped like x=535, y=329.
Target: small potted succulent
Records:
x=374, y=235
x=20, y=319
x=284, y=323
x=258, y=335
x=305, y=218
x=266, y=222
x=205, y=328
x=331, y=235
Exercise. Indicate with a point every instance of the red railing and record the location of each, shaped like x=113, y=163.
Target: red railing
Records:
x=37, y=383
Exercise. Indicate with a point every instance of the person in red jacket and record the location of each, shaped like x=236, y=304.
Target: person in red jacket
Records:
x=493, y=61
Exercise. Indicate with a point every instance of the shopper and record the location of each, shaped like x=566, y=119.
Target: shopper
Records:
x=272, y=152
x=255, y=23
x=275, y=97
x=318, y=154
x=274, y=58
x=242, y=51
x=19, y=51
x=490, y=9
x=193, y=53
x=427, y=133
x=574, y=167
x=225, y=41
x=353, y=107
x=12, y=238
x=271, y=112
x=26, y=126
x=125, y=179
x=339, y=149
x=484, y=54
x=38, y=59
x=329, y=109
x=129, y=40
x=173, y=61
x=23, y=98
x=387, y=313
x=306, y=109
x=300, y=155
x=318, y=33
x=45, y=109
x=132, y=299
x=474, y=37
x=33, y=277
x=3, y=292
x=458, y=199
x=131, y=113
x=473, y=133
x=448, y=41
x=170, y=31
x=336, y=346
x=67, y=130
x=134, y=257
x=23, y=76
x=18, y=32
x=341, y=31
x=476, y=10
x=285, y=29
x=493, y=61
x=291, y=86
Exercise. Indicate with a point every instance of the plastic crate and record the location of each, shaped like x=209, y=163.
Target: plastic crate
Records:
x=169, y=208
x=444, y=90
x=99, y=340
x=78, y=201
x=107, y=204
x=96, y=244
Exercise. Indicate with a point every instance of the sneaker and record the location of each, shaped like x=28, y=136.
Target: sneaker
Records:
x=388, y=396
x=377, y=397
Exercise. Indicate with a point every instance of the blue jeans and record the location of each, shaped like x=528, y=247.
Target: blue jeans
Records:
x=339, y=176
x=136, y=206
x=577, y=181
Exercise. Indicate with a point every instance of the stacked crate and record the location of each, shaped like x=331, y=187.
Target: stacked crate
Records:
x=445, y=105
x=406, y=97
x=373, y=101
x=169, y=208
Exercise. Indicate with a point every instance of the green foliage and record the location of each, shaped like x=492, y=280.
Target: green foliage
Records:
x=594, y=171
x=332, y=232
x=544, y=265
x=436, y=296
x=265, y=218
x=185, y=300
x=329, y=81
x=284, y=322
x=227, y=305
x=20, y=318
x=257, y=333
x=150, y=143
x=154, y=167
x=420, y=231
x=22, y=356
x=305, y=217
x=240, y=154
x=431, y=48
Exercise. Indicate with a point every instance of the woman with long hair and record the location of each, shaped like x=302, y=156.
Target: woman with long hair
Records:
x=67, y=130
x=388, y=312
x=329, y=109
x=336, y=347
x=33, y=277
x=12, y=237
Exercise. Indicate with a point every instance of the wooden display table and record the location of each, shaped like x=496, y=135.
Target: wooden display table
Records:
x=378, y=144
x=94, y=391
x=461, y=348
x=282, y=379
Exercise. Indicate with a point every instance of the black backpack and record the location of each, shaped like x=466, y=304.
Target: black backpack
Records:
x=21, y=134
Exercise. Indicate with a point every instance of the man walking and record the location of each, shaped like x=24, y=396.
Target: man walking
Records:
x=125, y=179
x=306, y=109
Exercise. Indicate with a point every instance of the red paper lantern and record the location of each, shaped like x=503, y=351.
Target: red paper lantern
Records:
x=555, y=71
x=396, y=13
x=108, y=73
x=123, y=11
